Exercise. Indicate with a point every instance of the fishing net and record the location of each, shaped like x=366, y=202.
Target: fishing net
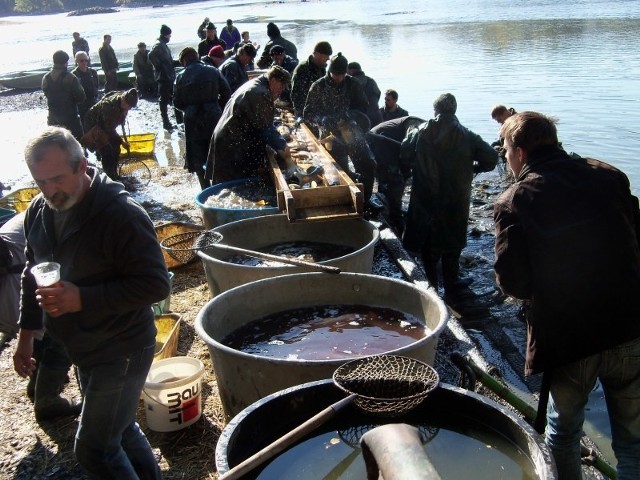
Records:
x=134, y=171
x=183, y=246
x=386, y=385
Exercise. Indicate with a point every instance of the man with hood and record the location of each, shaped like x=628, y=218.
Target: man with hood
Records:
x=371, y=91
x=112, y=271
x=230, y=34
x=64, y=93
x=165, y=73
x=201, y=92
x=275, y=38
x=445, y=156
x=307, y=72
x=336, y=104
x=237, y=148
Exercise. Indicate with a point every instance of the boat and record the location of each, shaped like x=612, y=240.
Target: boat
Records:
x=27, y=80
x=124, y=74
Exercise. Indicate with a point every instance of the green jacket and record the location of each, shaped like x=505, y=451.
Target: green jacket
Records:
x=445, y=155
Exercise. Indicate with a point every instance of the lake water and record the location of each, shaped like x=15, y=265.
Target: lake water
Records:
x=576, y=60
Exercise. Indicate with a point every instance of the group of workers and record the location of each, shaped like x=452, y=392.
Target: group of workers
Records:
x=566, y=235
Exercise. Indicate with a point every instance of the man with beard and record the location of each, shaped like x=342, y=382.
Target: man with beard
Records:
x=112, y=271
x=64, y=93
x=201, y=92
x=163, y=65
x=307, y=72
x=237, y=148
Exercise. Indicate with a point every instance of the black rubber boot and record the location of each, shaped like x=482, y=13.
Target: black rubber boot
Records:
x=48, y=403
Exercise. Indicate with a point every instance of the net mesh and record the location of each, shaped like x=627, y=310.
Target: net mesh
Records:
x=386, y=385
x=183, y=246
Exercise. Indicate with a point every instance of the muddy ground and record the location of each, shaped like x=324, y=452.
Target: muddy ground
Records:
x=486, y=323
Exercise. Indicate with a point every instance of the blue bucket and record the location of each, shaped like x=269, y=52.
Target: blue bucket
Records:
x=215, y=216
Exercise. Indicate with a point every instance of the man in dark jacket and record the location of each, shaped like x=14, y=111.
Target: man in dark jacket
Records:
x=566, y=241
x=237, y=148
x=79, y=44
x=392, y=170
x=112, y=272
x=307, y=72
x=143, y=69
x=445, y=155
x=391, y=108
x=336, y=104
x=211, y=40
x=64, y=93
x=275, y=38
x=371, y=91
x=201, y=92
x=234, y=68
x=163, y=65
x=109, y=64
x=89, y=79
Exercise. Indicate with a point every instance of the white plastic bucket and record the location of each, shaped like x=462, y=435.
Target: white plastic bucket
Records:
x=171, y=393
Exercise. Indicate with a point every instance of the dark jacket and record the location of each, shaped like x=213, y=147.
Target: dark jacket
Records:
x=162, y=61
x=237, y=147
x=142, y=66
x=566, y=241
x=372, y=92
x=201, y=92
x=289, y=47
x=328, y=99
x=108, y=58
x=109, y=249
x=90, y=84
x=80, y=45
x=230, y=37
x=387, y=115
x=205, y=45
x=64, y=93
x=445, y=155
x=303, y=76
x=234, y=72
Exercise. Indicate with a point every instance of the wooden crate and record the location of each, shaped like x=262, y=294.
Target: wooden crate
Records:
x=337, y=198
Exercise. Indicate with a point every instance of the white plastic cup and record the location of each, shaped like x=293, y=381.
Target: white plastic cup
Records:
x=46, y=273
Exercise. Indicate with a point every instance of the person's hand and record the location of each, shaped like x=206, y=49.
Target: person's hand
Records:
x=61, y=298
x=23, y=362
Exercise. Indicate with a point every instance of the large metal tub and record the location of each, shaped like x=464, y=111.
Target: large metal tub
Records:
x=447, y=407
x=260, y=232
x=244, y=378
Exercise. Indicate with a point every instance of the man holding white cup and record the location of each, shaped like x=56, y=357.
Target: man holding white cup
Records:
x=112, y=271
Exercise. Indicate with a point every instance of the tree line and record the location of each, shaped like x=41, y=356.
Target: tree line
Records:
x=56, y=6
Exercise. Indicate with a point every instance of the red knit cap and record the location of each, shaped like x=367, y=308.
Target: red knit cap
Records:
x=216, y=51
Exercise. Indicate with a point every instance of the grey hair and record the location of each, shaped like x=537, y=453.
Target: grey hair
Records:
x=54, y=137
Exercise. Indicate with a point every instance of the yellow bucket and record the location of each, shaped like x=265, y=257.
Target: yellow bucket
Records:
x=140, y=145
x=168, y=326
x=20, y=199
